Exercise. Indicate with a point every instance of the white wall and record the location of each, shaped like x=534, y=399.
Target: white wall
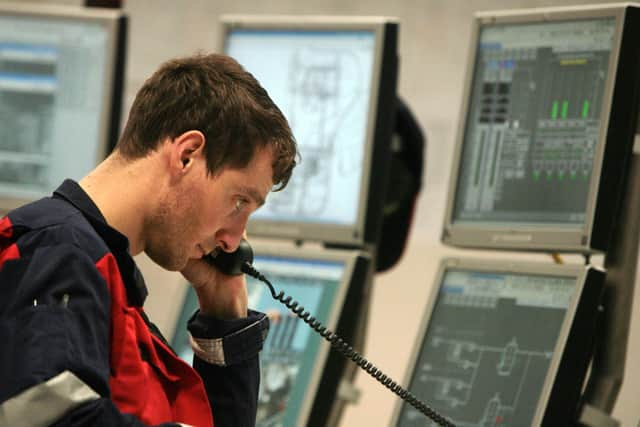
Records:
x=434, y=40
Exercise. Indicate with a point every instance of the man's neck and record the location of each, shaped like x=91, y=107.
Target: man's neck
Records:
x=122, y=190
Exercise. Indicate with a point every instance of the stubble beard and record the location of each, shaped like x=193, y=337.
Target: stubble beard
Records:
x=167, y=242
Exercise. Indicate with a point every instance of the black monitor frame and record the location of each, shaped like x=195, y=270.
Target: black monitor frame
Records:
x=379, y=128
x=613, y=150
x=560, y=396
x=115, y=23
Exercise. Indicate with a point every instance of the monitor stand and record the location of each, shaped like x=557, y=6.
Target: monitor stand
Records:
x=591, y=416
x=607, y=369
x=347, y=392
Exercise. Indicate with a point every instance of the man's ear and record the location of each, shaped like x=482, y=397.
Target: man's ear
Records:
x=185, y=148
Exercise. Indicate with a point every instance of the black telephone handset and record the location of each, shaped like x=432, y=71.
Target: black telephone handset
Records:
x=240, y=261
x=231, y=263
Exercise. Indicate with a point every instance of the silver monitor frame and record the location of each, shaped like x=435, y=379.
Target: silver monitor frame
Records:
x=579, y=272
x=531, y=235
x=111, y=20
x=367, y=220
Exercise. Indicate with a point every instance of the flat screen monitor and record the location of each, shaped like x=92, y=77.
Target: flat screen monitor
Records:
x=334, y=79
x=60, y=93
x=546, y=131
x=294, y=357
x=503, y=344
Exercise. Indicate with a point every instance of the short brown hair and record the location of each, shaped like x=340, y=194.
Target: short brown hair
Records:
x=215, y=95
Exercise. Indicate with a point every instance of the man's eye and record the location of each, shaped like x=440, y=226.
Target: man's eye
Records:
x=240, y=203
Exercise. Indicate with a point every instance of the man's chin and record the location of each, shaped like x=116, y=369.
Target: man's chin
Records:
x=169, y=263
x=189, y=262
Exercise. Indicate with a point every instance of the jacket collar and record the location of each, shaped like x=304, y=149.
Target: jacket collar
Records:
x=117, y=242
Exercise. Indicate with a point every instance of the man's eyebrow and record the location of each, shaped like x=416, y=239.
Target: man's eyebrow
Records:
x=254, y=194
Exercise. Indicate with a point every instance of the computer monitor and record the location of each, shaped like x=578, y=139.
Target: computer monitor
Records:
x=61, y=72
x=334, y=78
x=504, y=344
x=298, y=371
x=547, y=128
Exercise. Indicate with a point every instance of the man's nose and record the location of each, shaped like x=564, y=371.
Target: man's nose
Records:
x=229, y=239
x=229, y=243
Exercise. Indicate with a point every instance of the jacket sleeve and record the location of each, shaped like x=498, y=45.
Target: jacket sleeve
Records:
x=233, y=381
x=54, y=330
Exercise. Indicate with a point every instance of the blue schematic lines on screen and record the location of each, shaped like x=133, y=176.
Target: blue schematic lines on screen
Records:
x=324, y=90
x=322, y=81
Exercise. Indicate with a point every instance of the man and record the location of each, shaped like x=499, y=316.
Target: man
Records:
x=202, y=147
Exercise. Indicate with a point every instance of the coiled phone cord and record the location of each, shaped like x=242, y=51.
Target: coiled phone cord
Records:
x=340, y=345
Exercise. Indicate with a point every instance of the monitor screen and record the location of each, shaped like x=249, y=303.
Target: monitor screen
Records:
x=532, y=144
x=57, y=67
x=492, y=336
x=533, y=122
x=325, y=78
x=293, y=355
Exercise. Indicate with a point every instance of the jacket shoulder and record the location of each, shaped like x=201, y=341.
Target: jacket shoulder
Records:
x=52, y=222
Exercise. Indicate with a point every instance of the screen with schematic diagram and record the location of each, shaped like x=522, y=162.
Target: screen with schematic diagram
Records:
x=324, y=73
x=293, y=355
x=324, y=95
x=489, y=347
x=58, y=104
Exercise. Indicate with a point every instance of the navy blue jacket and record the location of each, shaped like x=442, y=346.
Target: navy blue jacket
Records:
x=71, y=316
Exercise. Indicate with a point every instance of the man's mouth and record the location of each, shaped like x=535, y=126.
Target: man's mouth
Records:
x=202, y=252
x=214, y=253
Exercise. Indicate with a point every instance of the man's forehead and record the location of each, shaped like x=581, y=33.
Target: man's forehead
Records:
x=255, y=179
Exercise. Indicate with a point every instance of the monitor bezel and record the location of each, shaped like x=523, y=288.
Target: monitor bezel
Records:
x=355, y=264
x=115, y=23
x=584, y=286
x=593, y=234
x=379, y=126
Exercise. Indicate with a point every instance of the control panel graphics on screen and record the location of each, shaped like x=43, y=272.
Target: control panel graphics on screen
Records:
x=533, y=122
x=481, y=362
x=52, y=81
x=290, y=353
x=284, y=348
x=28, y=85
x=290, y=357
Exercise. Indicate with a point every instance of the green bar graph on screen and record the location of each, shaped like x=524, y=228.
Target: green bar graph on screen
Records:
x=554, y=110
x=585, y=109
x=565, y=108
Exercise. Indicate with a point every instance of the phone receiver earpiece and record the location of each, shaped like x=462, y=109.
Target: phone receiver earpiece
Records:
x=230, y=263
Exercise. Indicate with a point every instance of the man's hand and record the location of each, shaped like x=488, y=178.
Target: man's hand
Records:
x=220, y=296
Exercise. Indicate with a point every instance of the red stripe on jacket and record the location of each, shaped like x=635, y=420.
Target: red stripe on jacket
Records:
x=8, y=249
x=6, y=229
x=159, y=389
